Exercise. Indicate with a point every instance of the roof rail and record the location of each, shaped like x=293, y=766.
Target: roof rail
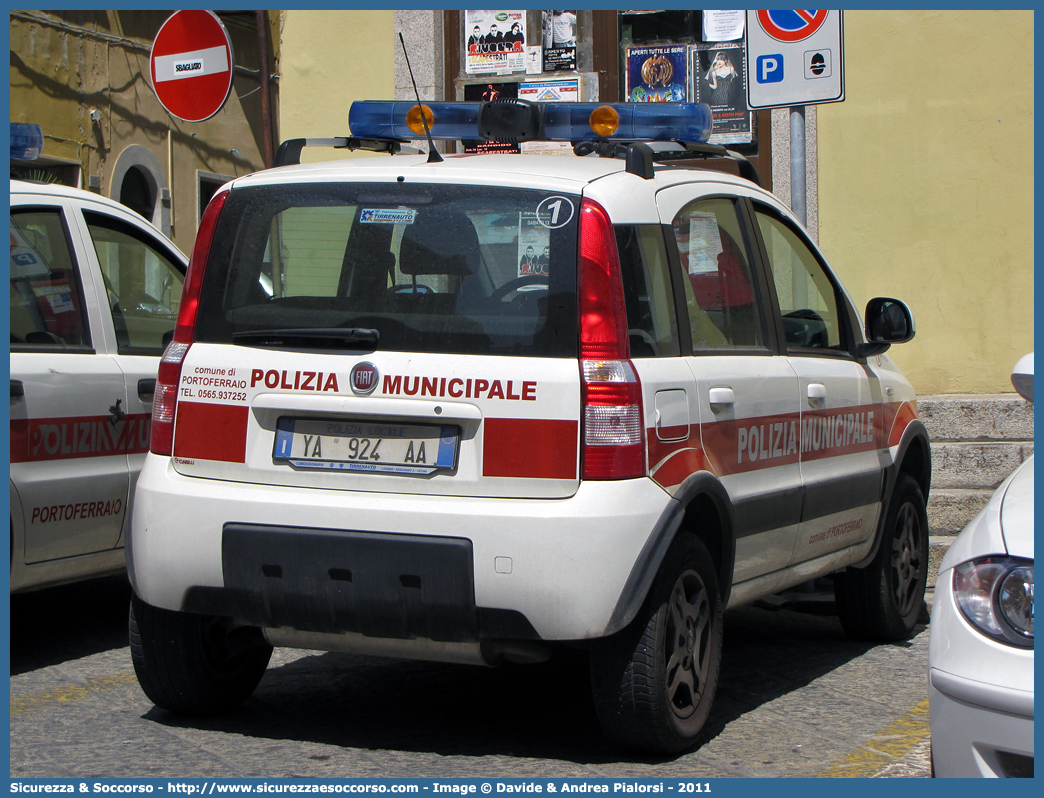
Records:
x=290, y=150
x=641, y=155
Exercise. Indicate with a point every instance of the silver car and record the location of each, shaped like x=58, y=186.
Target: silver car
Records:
x=981, y=652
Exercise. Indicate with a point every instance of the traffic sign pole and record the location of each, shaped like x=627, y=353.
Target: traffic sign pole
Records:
x=795, y=59
x=798, y=189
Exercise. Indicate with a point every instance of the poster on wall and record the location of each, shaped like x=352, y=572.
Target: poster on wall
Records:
x=723, y=26
x=484, y=92
x=559, y=28
x=550, y=91
x=496, y=42
x=717, y=79
x=656, y=74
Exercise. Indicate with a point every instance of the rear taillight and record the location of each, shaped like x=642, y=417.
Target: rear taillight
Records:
x=613, y=424
x=165, y=401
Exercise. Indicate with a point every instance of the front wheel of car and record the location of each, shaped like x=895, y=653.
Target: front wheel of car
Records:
x=654, y=682
x=194, y=664
x=882, y=601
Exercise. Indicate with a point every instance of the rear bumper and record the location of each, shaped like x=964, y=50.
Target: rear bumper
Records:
x=340, y=561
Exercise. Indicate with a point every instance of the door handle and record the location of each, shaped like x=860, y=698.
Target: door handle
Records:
x=17, y=389
x=146, y=389
x=721, y=398
x=817, y=394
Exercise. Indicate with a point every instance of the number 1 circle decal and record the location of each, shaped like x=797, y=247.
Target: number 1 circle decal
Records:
x=555, y=212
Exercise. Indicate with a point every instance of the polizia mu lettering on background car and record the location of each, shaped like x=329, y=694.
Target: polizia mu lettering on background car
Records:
x=439, y=449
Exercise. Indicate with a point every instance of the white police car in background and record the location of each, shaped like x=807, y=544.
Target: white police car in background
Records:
x=386, y=425
x=94, y=289
x=980, y=655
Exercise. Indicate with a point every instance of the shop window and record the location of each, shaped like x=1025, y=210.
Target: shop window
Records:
x=606, y=65
x=665, y=57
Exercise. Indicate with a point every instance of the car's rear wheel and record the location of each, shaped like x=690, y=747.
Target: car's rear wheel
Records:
x=654, y=682
x=194, y=664
x=883, y=601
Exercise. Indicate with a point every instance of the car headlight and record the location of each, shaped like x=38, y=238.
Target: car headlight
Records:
x=995, y=594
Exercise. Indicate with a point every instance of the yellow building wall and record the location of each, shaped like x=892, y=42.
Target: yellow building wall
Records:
x=66, y=63
x=926, y=186
x=329, y=59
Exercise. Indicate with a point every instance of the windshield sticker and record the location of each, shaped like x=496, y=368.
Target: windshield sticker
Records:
x=387, y=216
x=554, y=212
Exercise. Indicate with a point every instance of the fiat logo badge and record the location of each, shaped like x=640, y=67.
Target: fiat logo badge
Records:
x=364, y=378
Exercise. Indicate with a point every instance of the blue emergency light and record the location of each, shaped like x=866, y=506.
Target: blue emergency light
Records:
x=26, y=141
x=627, y=121
x=520, y=120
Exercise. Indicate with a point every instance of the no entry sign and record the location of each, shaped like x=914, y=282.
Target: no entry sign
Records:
x=191, y=65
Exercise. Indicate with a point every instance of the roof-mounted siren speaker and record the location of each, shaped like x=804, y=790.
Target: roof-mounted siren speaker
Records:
x=510, y=119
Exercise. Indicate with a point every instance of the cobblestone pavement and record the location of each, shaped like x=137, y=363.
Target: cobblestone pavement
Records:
x=797, y=699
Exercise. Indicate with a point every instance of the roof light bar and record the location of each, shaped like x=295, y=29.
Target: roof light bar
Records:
x=520, y=120
x=394, y=120
x=627, y=121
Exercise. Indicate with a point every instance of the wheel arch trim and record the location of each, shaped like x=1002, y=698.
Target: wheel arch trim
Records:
x=914, y=434
x=647, y=565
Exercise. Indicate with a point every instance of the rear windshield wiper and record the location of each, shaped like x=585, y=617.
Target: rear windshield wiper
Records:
x=315, y=337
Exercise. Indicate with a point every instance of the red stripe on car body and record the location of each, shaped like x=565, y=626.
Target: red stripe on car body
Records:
x=533, y=448
x=211, y=432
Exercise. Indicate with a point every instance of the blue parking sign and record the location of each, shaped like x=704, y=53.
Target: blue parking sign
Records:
x=769, y=68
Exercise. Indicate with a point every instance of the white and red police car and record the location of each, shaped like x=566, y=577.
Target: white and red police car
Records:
x=94, y=290
x=464, y=409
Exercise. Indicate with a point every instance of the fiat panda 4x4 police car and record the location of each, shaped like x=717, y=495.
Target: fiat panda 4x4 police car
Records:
x=466, y=408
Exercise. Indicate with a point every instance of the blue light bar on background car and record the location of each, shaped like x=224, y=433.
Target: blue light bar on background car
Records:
x=26, y=141
x=558, y=121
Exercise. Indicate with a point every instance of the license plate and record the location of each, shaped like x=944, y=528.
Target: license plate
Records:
x=368, y=446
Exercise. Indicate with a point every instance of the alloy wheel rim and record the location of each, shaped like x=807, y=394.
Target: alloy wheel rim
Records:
x=906, y=558
x=688, y=644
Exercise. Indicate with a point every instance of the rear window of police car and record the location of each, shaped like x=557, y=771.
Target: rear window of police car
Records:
x=433, y=268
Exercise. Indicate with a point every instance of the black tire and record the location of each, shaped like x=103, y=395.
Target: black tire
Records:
x=190, y=664
x=654, y=682
x=882, y=601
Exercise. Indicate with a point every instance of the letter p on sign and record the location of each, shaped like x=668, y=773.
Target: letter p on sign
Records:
x=770, y=68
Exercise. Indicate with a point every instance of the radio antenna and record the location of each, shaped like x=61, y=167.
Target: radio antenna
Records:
x=433, y=154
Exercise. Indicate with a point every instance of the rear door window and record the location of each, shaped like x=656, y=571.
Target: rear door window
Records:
x=454, y=269
x=719, y=287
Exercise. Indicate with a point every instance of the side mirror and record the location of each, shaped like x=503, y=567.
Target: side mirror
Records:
x=887, y=321
x=1022, y=377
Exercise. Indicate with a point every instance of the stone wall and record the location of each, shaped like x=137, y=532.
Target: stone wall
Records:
x=977, y=441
